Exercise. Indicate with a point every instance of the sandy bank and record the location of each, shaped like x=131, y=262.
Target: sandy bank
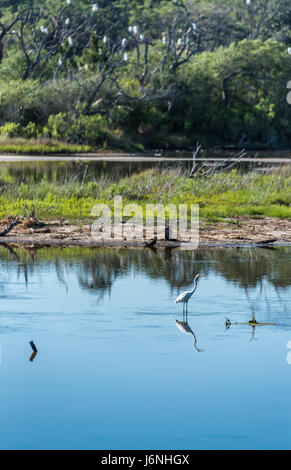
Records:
x=241, y=231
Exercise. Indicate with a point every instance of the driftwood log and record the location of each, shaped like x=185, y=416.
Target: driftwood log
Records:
x=10, y=227
x=152, y=243
x=266, y=242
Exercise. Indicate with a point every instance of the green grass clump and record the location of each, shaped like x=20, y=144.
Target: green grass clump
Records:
x=40, y=147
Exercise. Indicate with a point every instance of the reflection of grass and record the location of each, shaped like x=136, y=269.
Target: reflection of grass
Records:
x=267, y=266
x=225, y=195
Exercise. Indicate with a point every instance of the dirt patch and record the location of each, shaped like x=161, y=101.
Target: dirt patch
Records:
x=242, y=231
x=246, y=230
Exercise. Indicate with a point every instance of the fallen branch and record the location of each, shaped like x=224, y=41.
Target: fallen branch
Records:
x=10, y=227
x=152, y=243
x=195, y=166
x=266, y=242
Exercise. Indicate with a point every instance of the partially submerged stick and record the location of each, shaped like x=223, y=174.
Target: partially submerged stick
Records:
x=247, y=323
x=251, y=323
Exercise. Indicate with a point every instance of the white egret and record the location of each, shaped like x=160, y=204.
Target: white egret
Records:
x=185, y=296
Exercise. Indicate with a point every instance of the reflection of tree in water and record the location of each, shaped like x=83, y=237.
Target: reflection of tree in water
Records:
x=97, y=269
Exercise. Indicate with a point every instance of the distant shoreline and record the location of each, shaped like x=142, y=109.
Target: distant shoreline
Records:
x=130, y=157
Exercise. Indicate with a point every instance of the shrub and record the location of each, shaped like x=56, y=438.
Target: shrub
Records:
x=10, y=129
x=85, y=129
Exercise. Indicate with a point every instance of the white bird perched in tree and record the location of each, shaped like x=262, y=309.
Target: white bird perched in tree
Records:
x=185, y=296
x=68, y=21
x=43, y=29
x=94, y=7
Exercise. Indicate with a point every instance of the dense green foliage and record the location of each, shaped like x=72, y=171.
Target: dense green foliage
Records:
x=155, y=72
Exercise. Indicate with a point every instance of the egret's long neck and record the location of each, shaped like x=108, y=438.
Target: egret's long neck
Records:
x=195, y=286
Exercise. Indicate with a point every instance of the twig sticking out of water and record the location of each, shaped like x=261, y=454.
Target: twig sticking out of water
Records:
x=34, y=348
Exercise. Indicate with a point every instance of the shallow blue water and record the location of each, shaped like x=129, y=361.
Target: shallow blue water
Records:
x=114, y=372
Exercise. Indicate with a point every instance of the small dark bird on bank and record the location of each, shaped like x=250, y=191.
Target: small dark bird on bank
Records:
x=152, y=243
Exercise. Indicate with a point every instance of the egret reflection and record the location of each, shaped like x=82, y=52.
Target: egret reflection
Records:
x=185, y=328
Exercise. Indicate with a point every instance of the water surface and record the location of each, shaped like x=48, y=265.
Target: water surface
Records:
x=113, y=371
x=84, y=171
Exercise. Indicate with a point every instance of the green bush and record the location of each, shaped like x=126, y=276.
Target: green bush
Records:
x=32, y=130
x=10, y=129
x=85, y=129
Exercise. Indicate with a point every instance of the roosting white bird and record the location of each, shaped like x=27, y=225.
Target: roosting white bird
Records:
x=185, y=296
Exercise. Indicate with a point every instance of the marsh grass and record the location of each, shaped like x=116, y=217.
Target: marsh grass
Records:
x=40, y=147
x=220, y=196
